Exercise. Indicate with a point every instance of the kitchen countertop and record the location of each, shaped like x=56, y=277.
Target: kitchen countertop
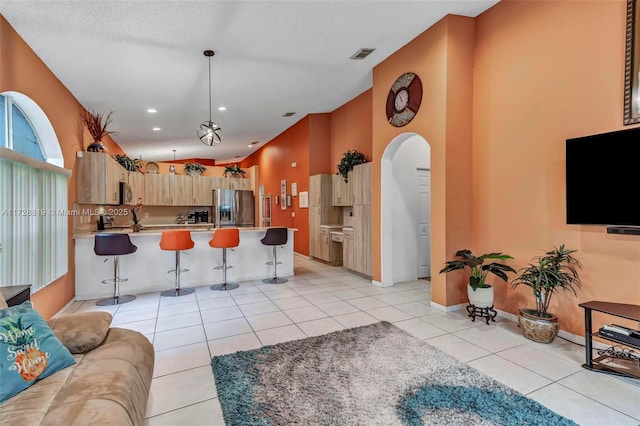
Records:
x=157, y=229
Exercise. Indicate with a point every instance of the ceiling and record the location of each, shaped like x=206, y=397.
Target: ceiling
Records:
x=271, y=57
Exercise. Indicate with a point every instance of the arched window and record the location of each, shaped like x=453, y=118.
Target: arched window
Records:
x=33, y=196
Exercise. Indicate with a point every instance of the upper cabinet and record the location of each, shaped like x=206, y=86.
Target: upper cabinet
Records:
x=156, y=190
x=136, y=184
x=341, y=191
x=203, y=190
x=361, y=184
x=181, y=190
x=99, y=178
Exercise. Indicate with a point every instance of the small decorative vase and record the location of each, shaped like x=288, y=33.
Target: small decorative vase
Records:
x=137, y=227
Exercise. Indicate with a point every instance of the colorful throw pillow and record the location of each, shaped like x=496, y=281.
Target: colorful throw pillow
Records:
x=29, y=350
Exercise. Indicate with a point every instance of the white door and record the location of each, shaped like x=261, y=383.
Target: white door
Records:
x=424, y=223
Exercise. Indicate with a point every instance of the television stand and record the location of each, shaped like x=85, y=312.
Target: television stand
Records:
x=626, y=230
x=610, y=363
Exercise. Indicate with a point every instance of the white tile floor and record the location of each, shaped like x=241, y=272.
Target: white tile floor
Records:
x=187, y=331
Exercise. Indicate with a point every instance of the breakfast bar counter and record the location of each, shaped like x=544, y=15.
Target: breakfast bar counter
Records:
x=147, y=268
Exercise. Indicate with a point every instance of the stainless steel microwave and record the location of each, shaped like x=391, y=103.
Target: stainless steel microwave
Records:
x=126, y=194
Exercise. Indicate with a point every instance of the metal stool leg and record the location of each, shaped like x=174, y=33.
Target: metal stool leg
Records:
x=116, y=299
x=275, y=279
x=224, y=285
x=178, y=291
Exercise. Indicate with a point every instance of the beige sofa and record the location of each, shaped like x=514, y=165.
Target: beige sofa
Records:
x=108, y=385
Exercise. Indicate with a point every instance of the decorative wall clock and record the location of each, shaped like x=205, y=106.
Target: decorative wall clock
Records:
x=404, y=99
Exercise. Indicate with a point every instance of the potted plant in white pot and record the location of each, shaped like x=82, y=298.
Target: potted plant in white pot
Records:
x=480, y=293
x=556, y=271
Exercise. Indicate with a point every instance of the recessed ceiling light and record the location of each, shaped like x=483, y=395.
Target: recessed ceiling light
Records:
x=222, y=108
x=152, y=111
x=156, y=129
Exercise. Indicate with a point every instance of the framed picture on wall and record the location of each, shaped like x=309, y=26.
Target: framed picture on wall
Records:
x=632, y=66
x=303, y=200
x=283, y=194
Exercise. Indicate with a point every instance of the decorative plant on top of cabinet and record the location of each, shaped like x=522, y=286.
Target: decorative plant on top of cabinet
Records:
x=96, y=123
x=349, y=159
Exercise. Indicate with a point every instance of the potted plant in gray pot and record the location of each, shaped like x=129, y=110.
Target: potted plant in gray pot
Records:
x=556, y=271
x=480, y=293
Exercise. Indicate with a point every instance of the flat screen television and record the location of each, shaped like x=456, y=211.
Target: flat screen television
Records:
x=603, y=179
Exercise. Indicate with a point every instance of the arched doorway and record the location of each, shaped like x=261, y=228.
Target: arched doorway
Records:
x=405, y=164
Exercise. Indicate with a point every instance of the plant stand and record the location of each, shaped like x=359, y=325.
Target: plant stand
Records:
x=486, y=313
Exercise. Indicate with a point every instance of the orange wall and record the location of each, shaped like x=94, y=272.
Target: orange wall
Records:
x=351, y=128
x=547, y=71
x=22, y=71
x=442, y=57
x=275, y=160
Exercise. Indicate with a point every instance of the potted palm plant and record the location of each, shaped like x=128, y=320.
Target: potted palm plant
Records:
x=480, y=293
x=556, y=271
x=96, y=123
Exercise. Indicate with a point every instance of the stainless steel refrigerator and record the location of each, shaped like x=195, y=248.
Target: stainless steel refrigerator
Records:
x=232, y=207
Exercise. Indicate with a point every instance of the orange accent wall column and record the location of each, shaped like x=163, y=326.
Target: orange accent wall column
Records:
x=442, y=57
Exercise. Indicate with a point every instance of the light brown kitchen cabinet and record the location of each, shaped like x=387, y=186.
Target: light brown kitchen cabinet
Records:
x=136, y=184
x=203, y=187
x=315, y=243
x=347, y=249
x=361, y=254
x=362, y=262
x=157, y=190
x=341, y=191
x=321, y=212
x=99, y=178
x=361, y=184
x=181, y=190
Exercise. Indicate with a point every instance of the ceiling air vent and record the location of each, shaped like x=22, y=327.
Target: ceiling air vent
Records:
x=288, y=114
x=362, y=53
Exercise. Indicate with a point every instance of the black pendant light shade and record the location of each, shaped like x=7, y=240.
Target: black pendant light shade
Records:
x=209, y=132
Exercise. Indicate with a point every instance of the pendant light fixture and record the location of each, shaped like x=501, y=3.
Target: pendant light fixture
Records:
x=209, y=132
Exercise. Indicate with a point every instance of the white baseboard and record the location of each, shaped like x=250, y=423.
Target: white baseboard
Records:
x=451, y=308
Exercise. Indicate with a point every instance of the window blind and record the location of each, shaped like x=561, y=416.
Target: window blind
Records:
x=33, y=225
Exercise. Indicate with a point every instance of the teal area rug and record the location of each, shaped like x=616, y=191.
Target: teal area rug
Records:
x=371, y=375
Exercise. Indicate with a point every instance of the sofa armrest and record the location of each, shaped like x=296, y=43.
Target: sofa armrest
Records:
x=81, y=332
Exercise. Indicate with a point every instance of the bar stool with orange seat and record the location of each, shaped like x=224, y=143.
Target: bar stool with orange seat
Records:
x=115, y=245
x=225, y=238
x=275, y=237
x=177, y=240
